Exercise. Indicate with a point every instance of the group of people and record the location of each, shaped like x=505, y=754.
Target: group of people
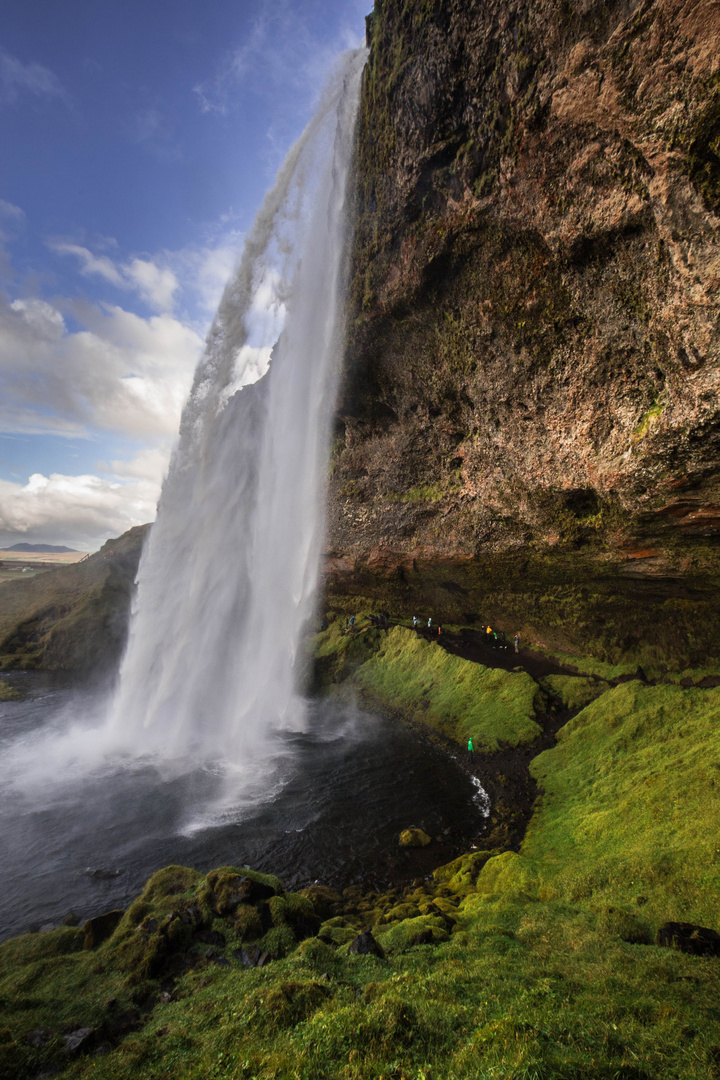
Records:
x=381, y=622
x=495, y=639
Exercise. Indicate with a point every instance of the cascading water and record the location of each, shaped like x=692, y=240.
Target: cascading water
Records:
x=228, y=576
x=204, y=760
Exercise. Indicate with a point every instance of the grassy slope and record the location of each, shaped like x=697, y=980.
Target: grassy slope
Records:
x=399, y=670
x=72, y=618
x=537, y=964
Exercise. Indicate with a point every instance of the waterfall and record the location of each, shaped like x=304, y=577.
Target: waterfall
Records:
x=227, y=579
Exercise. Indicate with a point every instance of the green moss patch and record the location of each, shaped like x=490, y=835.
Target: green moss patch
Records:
x=630, y=812
x=573, y=692
x=455, y=697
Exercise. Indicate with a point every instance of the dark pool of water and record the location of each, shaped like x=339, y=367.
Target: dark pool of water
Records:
x=337, y=799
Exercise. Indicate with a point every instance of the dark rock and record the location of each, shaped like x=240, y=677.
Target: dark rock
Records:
x=78, y=1040
x=222, y=961
x=212, y=937
x=102, y=873
x=71, y=919
x=689, y=938
x=366, y=945
x=306, y=926
x=250, y=957
x=191, y=915
x=226, y=891
x=101, y=928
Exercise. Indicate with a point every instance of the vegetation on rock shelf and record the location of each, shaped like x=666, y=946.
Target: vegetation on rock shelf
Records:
x=500, y=965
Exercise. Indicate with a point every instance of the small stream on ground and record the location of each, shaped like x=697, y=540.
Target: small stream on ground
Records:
x=331, y=811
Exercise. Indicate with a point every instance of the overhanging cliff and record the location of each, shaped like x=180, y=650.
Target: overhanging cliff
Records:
x=534, y=345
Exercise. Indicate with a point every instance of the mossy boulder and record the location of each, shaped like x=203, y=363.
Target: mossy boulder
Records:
x=509, y=875
x=460, y=875
x=295, y=911
x=399, y=912
x=326, y=902
x=415, y=838
x=422, y=930
x=224, y=889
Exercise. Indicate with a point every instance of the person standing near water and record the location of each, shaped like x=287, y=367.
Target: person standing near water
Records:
x=471, y=753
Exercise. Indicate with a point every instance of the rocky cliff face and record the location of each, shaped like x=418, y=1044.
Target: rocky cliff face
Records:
x=534, y=344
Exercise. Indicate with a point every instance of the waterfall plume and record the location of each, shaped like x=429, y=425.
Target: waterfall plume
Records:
x=228, y=576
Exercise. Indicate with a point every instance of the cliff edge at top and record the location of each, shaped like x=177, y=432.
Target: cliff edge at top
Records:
x=534, y=364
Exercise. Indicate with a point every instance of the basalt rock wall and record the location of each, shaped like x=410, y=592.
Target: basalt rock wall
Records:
x=533, y=358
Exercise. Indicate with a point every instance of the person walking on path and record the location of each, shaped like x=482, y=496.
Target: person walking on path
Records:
x=517, y=643
x=429, y=623
x=471, y=753
x=415, y=622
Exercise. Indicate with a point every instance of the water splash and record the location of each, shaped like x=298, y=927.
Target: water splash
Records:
x=227, y=579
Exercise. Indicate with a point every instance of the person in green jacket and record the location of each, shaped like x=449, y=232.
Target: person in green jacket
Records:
x=471, y=755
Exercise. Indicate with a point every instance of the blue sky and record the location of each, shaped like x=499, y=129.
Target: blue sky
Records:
x=139, y=137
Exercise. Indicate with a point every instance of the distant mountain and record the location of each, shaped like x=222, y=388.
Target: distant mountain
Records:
x=44, y=548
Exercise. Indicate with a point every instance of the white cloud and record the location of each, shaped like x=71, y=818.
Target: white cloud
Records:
x=119, y=373
x=155, y=284
x=78, y=369
x=81, y=511
x=17, y=78
x=91, y=264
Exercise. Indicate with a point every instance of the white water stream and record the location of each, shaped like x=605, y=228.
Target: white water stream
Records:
x=227, y=579
x=208, y=754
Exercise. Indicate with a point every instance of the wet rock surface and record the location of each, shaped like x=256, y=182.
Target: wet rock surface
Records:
x=534, y=353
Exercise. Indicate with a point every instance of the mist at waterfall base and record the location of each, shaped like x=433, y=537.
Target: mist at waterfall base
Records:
x=208, y=754
x=86, y=840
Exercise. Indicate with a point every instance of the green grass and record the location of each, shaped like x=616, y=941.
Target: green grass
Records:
x=573, y=691
x=503, y=966
x=452, y=696
x=630, y=813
